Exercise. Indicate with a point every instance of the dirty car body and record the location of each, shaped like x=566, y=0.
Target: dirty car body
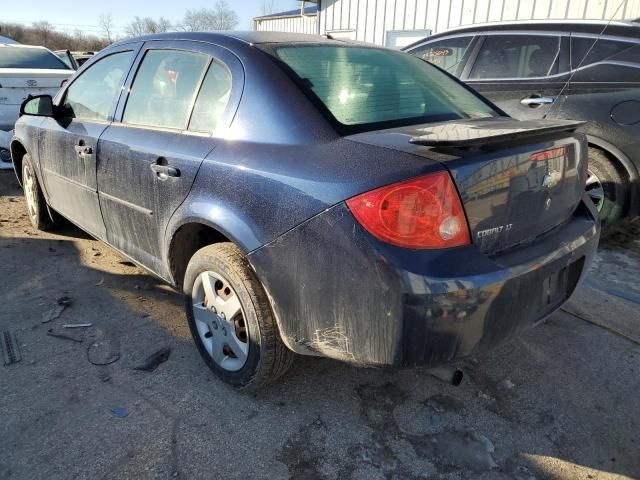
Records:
x=291, y=172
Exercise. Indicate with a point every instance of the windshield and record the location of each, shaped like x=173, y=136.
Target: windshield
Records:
x=19, y=57
x=369, y=87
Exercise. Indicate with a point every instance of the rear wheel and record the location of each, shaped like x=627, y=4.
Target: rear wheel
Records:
x=606, y=187
x=36, y=204
x=231, y=320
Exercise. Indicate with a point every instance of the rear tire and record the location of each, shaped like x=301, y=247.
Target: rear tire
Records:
x=245, y=351
x=36, y=205
x=607, y=187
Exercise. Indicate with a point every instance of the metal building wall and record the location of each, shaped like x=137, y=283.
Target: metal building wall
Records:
x=298, y=24
x=370, y=20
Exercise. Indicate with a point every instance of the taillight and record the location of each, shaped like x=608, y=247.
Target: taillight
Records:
x=423, y=212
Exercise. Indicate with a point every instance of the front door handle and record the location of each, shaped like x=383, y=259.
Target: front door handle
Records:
x=535, y=101
x=164, y=171
x=83, y=150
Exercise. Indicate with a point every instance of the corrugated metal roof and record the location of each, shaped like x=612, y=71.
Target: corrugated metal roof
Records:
x=312, y=10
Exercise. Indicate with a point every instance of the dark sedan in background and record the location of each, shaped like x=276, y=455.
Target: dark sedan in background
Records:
x=313, y=196
x=581, y=70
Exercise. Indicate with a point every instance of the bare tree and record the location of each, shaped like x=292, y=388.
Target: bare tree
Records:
x=268, y=7
x=105, y=22
x=43, y=32
x=220, y=17
x=143, y=26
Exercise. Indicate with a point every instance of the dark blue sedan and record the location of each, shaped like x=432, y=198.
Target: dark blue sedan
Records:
x=313, y=196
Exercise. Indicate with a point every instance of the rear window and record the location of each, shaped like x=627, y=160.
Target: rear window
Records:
x=447, y=54
x=363, y=87
x=585, y=51
x=18, y=57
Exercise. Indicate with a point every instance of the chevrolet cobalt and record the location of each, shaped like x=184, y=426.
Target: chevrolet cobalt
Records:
x=313, y=196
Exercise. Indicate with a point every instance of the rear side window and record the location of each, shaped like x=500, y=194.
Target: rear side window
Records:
x=585, y=51
x=212, y=99
x=446, y=54
x=21, y=57
x=164, y=88
x=516, y=56
x=365, y=86
x=91, y=95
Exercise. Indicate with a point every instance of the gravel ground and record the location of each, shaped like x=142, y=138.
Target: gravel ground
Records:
x=558, y=402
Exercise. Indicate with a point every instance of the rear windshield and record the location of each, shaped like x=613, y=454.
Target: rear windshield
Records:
x=18, y=57
x=369, y=87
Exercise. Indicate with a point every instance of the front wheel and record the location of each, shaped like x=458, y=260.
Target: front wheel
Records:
x=36, y=204
x=230, y=319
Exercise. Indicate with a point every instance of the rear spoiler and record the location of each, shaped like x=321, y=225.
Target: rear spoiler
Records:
x=480, y=133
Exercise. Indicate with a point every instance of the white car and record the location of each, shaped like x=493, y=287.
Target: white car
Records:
x=25, y=70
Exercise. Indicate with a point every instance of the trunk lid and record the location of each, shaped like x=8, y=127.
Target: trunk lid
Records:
x=17, y=83
x=517, y=180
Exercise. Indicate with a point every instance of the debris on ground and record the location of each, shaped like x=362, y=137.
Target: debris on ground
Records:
x=65, y=336
x=77, y=325
x=467, y=449
x=53, y=314
x=120, y=412
x=10, y=348
x=61, y=304
x=104, y=349
x=66, y=301
x=506, y=384
x=100, y=282
x=485, y=396
x=154, y=360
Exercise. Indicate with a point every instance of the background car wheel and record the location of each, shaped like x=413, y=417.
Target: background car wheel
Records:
x=36, y=204
x=231, y=320
x=606, y=187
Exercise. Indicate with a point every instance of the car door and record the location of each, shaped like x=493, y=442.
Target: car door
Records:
x=180, y=93
x=449, y=53
x=521, y=73
x=69, y=141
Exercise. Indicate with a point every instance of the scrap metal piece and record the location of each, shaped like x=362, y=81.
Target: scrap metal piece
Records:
x=154, y=360
x=10, y=348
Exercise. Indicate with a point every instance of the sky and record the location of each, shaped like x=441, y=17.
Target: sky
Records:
x=69, y=15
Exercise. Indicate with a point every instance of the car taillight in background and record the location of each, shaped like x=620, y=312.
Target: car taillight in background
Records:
x=421, y=213
x=549, y=154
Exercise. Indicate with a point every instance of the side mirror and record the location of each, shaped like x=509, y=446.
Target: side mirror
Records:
x=38, y=106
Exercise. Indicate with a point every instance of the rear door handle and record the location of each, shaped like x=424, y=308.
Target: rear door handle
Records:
x=534, y=101
x=164, y=171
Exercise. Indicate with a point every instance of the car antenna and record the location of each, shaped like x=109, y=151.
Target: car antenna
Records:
x=573, y=70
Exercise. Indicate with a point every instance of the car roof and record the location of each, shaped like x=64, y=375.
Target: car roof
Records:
x=19, y=45
x=595, y=27
x=230, y=37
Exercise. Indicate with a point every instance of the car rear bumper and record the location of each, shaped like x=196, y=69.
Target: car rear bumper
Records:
x=337, y=292
x=8, y=115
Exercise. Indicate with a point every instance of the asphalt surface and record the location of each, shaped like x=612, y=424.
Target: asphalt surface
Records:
x=560, y=401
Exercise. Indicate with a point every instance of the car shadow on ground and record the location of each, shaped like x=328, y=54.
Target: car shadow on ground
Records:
x=554, y=402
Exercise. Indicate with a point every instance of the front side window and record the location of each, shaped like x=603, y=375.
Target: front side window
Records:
x=91, y=95
x=29, y=57
x=360, y=86
x=164, y=88
x=212, y=99
x=446, y=54
x=516, y=56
